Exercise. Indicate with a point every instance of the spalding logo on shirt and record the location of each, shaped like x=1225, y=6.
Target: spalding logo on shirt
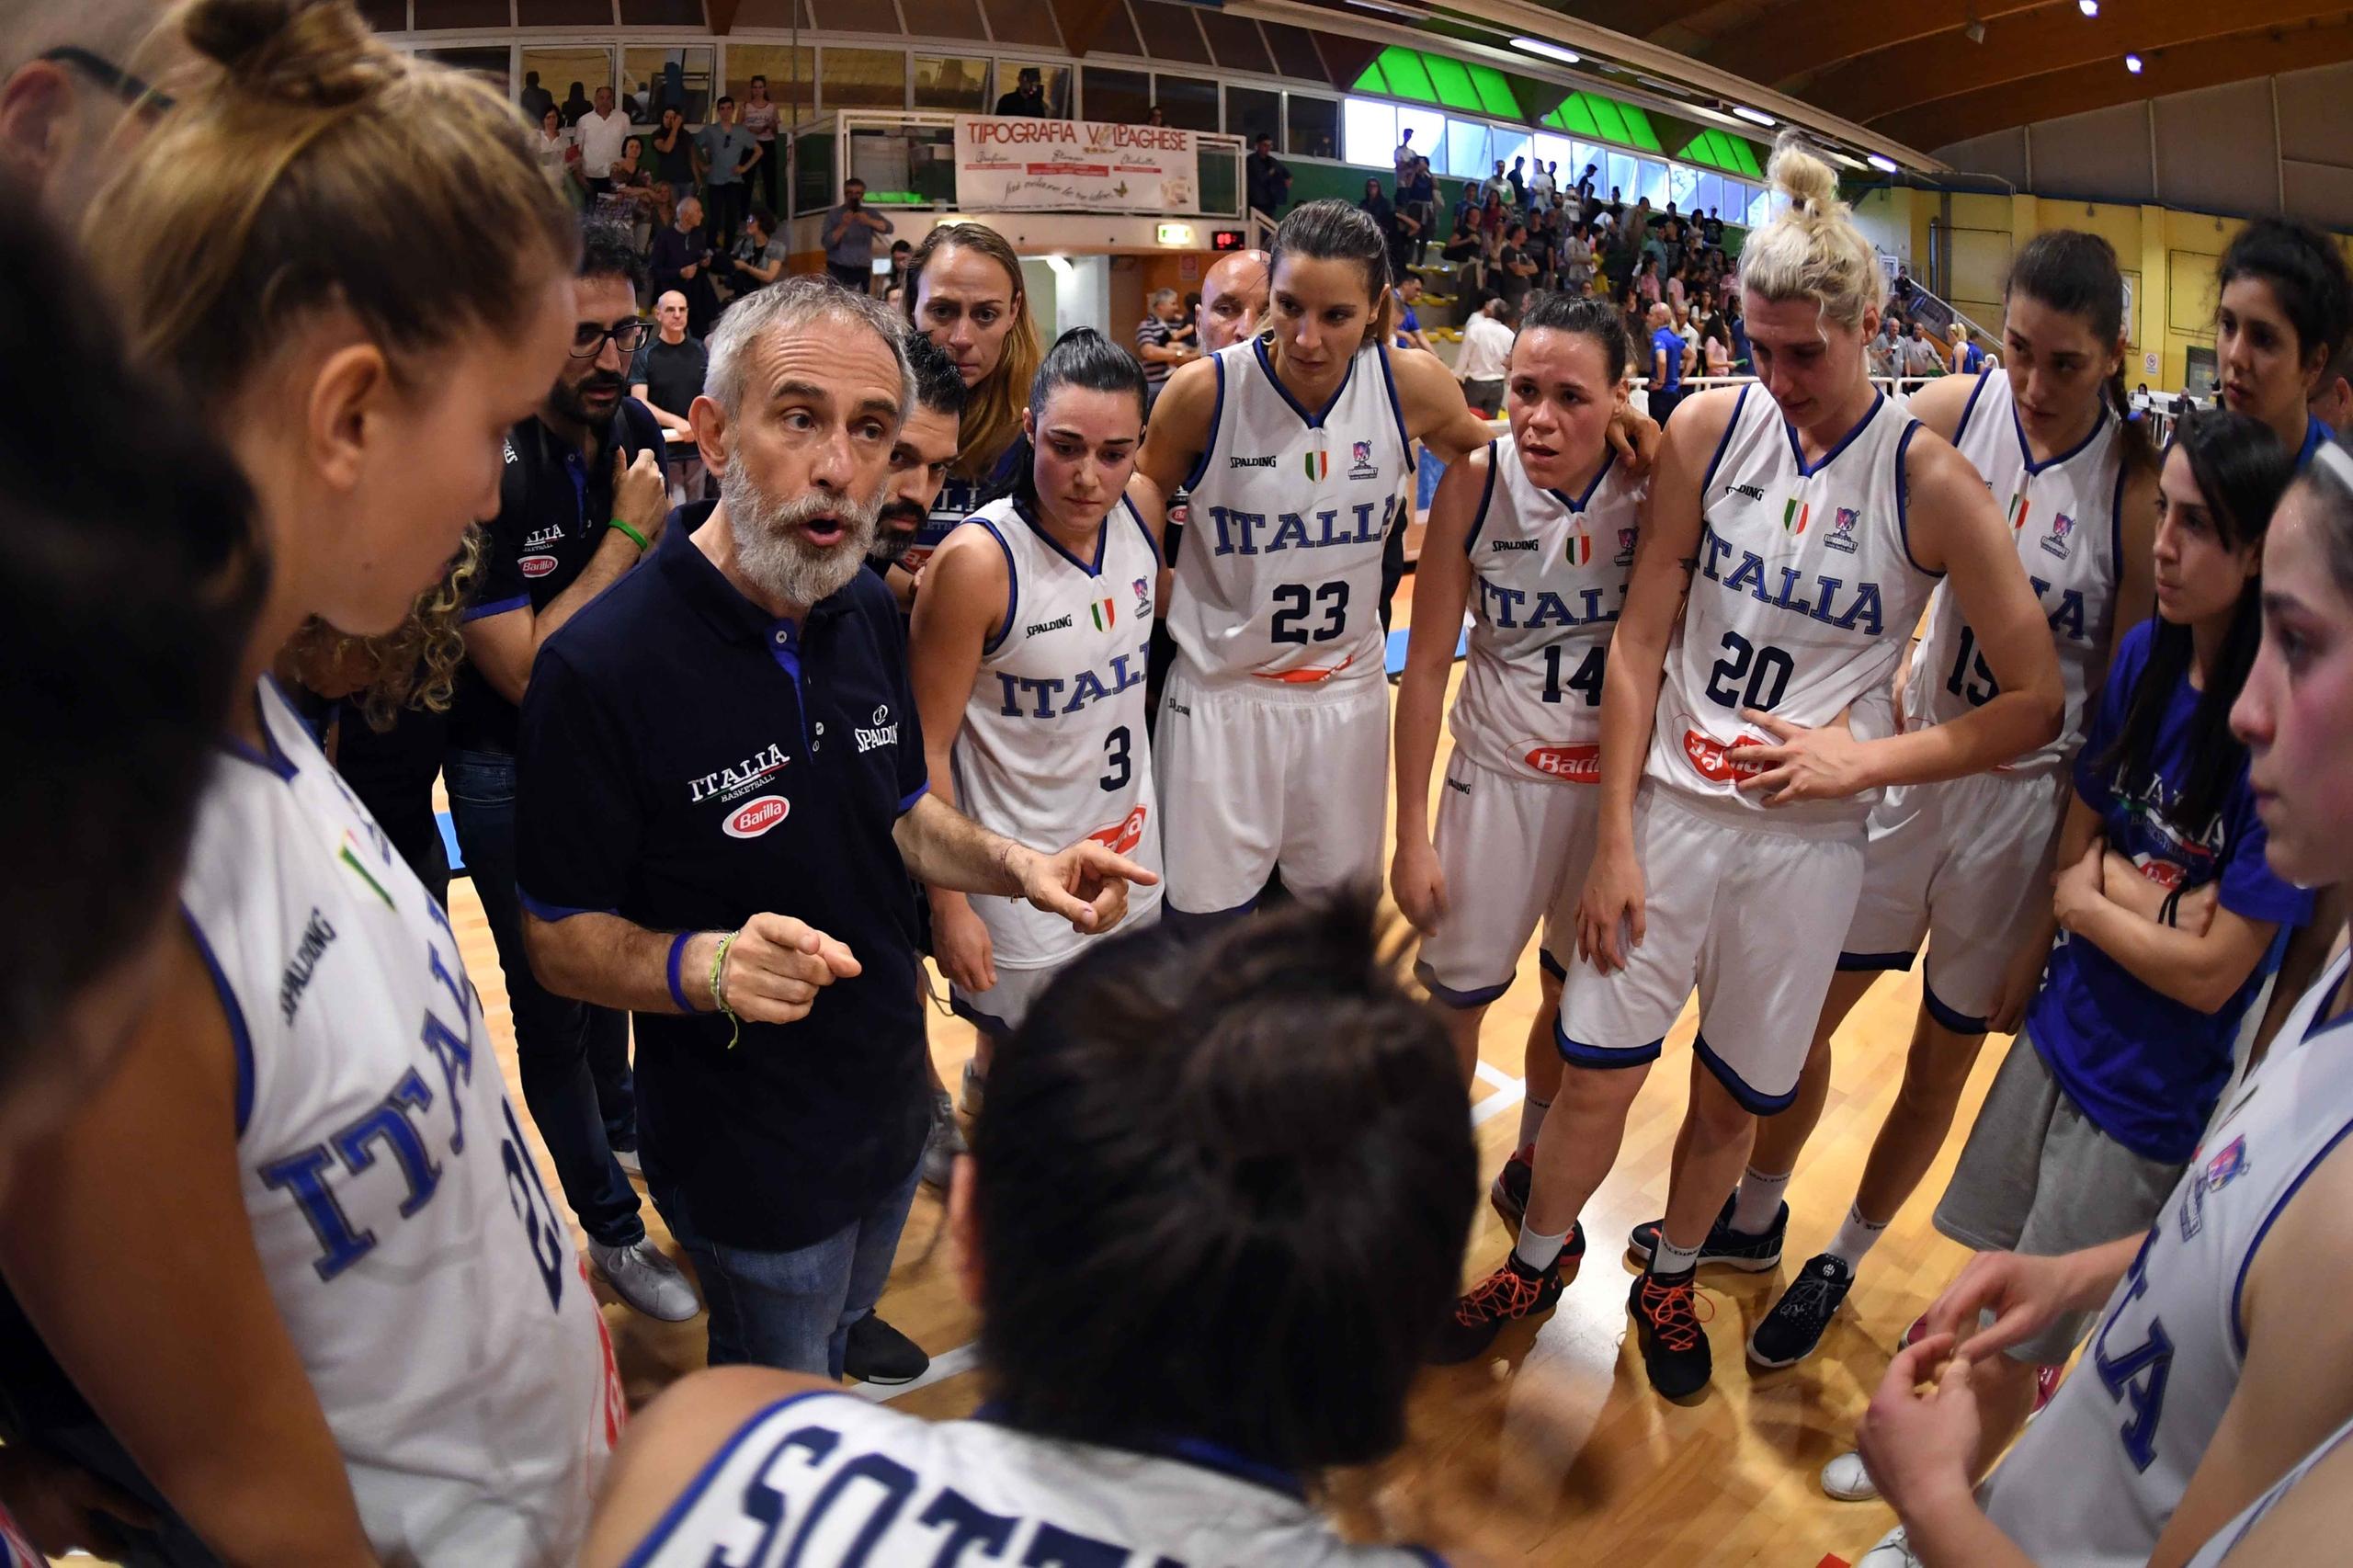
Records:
x=754, y=817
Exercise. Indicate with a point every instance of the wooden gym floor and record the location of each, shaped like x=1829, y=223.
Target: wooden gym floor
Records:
x=1559, y=1453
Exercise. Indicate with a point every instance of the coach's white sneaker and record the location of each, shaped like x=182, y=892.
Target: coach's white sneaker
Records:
x=1846, y=1479
x=648, y=1282
x=1893, y=1551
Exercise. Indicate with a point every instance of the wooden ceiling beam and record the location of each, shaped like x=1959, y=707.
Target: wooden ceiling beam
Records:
x=1345, y=58
x=1637, y=18
x=1080, y=20
x=1813, y=35
x=2104, y=84
x=2038, y=43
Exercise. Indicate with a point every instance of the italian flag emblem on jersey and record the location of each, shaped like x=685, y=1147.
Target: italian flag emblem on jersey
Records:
x=1104, y=615
x=1319, y=464
x=2018, y=512
x=1794, y=514
x=1580, y=548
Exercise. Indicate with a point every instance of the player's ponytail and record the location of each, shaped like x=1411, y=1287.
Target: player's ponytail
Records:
x=314, y=168
x=1812, y=250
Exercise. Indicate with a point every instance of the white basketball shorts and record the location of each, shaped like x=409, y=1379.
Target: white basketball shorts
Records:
x=1000, y=1009
x=1749, y=910
x=1963, y=864
x=1267, y=773
x=1513, y=850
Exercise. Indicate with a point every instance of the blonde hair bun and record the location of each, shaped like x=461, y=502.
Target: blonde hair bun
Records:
x=313, y=52
x=1811, y=184
x=1812, y=250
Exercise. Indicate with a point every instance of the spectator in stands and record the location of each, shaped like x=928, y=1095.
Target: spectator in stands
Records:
x=1485, y=358
x=674, y=154
x=1967, y=358
x=727, y=153
x=601, y=134
x=1462, y=247
x=1405, y=158
x=536, y=100
x=1916, y=353
x=667, y=376
x=1880, y=354
x=681, y=260
x=1712, y=228
x=1409, y=320
x=1615, y=206
x=1517, y=181
x=1585, y=184
x=1404, y=230
x=1577, y=259
x=1545, y=183
x=628, y=192
x=761, y=115
x=1496, y=190
x=1419, y=198
x=575, y=105
x=1715, y=350
x=1646, y=281
x=1269, y=181
x=1155, y=339
x=1515, y=269
x=1156, y=116
x=1374, y=204
x=759, y=257
x=1687, y=327
x=848, y=238
x=900, y=251
x=1027, y=98
x=1637, y=316
x=1668, y=357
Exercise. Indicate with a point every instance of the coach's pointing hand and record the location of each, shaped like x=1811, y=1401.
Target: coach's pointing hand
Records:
x=1086, y=884
x=774, y=968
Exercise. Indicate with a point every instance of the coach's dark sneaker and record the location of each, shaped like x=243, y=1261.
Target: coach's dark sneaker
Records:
x=876, y=1352
x=1666, y=1326
x=1789, y=1333
x=1733, y=1249
x=1513, y=1291
x=1509, y=1190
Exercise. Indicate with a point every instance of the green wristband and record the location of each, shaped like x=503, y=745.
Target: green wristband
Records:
x=642, y=543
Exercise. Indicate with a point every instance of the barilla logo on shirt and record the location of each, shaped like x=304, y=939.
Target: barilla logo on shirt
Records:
x=1123, y=835
x=1712, y=758
x=537, y=566
x=1571, y=765
x=754, y=817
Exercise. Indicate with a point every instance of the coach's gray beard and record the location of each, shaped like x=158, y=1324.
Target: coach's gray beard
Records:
x=770, y=549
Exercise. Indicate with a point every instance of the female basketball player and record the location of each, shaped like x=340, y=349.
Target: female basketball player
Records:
x=1217, y=1193
x=964, y=293
x=396, y=1355
x=2210, y=1385
x=1542, y=524
x=1027, y=656
x=2285, y=309
x=1274, y=732
x=1967, y=864
x=1820, y=516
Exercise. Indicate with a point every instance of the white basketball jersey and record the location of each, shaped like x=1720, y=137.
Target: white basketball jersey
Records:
x=1548, y=581
x=411, y=1248
x=1804, y=596
x=2226, y=1541
x=2066, y=517
x=2094, y=1480
x=1055, y=746
x=1280, y=578
x=820, y=1480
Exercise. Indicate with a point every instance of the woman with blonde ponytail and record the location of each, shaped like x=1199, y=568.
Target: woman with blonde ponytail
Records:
x=296, y=1251
x=1745, y=731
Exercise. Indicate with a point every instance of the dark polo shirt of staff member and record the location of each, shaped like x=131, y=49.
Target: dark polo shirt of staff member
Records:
x=722, y=797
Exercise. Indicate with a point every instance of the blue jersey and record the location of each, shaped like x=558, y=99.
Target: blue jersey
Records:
x=1668, y=342
x=2145, y=1068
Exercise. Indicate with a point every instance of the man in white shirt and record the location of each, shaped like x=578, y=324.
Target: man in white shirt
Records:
x=1405, y=156
x=1544, y=184
x=1485, y=358
x=601, y=133
x=1916, y=354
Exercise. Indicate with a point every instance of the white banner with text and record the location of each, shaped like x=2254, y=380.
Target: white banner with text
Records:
x=1013, y=164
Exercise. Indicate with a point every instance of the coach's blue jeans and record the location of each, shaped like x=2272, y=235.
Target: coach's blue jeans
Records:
x=573, y=1058
x=793, y=1310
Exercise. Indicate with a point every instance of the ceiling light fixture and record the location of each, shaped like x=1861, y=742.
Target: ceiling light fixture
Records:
x=1410, y=13
x=2088, y=7
x=1974, y=32
x=1754, y=117
x=2132, y=63
x=1884, y=165
x=1548, y=50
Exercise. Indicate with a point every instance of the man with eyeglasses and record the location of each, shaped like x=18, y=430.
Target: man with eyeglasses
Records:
x=66, y=100
x=580, y=501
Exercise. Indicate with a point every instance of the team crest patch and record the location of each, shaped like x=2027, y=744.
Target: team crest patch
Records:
x=2018, y=509
x=1318, y=464
x=1364, y=467
x=1841, y=537
x=1625, y=548
x=1580, y=548
x=2216, y=1174
x=1143, y=595
x=2055, y=541
x=1794, y=514
x=1105, y=613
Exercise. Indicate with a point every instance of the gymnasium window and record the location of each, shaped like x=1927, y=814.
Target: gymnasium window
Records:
x=1311, y=124
x=1253, y=112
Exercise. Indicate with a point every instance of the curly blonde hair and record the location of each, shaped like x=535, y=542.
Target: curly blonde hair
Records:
x=1812, y=250
x=412, y=666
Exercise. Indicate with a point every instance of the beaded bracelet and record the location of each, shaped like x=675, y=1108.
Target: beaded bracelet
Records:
x=719, y=962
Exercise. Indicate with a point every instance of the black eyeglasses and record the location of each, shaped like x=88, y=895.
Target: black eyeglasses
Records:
x=131, y=89
x=588, y=340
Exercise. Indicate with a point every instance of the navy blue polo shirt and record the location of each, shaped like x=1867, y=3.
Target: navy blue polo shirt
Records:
x=685, y=762
x=554, y=510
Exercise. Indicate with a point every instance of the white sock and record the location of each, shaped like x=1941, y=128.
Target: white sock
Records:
x=1667, y=1258
x=1854, y=1238
x=1536, y=1250
x=1757, y=1201
x=1531, y=1120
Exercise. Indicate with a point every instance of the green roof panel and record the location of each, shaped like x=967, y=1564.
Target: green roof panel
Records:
x=1638, y=126
x=1452, y=80
x=1408, y=78
x=1495, y=93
